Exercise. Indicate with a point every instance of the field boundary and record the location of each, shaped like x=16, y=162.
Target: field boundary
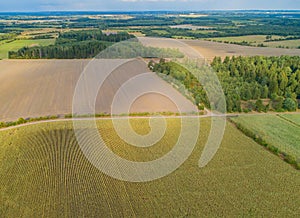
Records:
x=271, y=148
x=69, y=117
x=51, y=119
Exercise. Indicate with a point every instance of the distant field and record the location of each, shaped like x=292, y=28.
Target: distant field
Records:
x=252, y=39
x=17, y=44
x=43, y=173
x=259, y=39
x=276, y=131
x=196, y=31
x=209, y=50
x=191, y=27
x=287, y=43
x=160, y=31
x=27, y=34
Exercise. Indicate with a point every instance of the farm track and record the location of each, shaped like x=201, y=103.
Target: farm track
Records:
x=139, y=117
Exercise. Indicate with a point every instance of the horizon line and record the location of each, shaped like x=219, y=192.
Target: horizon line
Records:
x=132, y=11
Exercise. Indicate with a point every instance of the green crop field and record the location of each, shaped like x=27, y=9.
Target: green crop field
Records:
x=160, y=31
x=17, y=44
x=293, y=118
x=279, y=132
x=43, y=173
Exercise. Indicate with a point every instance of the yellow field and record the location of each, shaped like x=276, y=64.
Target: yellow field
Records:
x=44, y=173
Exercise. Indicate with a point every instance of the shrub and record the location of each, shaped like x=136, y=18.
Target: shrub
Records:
x=259, y=105
x=290, y=104
x=277, y=103
x=21, y=121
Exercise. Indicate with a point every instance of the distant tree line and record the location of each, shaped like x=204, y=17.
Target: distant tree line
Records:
x=134, y=49
x=168, y=32
x=87, y=49
x=8, y=36
x=90, y=44
x=85, y=35
x=73, y=44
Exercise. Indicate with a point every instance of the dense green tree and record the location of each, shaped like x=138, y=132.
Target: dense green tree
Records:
x=230, y=105
x=251, y=106
x=265, y=92
x=256, y=93
x=277, y=103
x=259, y=105
x=283, y=81
x=273, y=86
x=248, y=94
x=290, y=104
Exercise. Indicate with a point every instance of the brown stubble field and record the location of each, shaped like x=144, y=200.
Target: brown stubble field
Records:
x=34, y=88
x=209, y=50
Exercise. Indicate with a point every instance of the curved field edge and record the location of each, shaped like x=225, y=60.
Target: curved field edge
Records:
x=69, y=117
x=280, y=134
x=44, y=173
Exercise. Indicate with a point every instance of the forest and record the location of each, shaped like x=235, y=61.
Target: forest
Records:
x=249, y=83
x=72, y=44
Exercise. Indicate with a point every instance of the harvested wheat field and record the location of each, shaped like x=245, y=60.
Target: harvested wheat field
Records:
x=33, y=88
x=209, y=50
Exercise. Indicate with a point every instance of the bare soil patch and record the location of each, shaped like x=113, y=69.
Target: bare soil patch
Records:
x=34, y=88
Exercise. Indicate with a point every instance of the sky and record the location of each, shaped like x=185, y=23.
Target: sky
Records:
x=144, y=5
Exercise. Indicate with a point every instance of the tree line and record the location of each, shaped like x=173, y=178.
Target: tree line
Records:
x=249, y=83
x=73, y=44
x=185, y=77
x=90, y=44
x=226, y=31
x=250, y=79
